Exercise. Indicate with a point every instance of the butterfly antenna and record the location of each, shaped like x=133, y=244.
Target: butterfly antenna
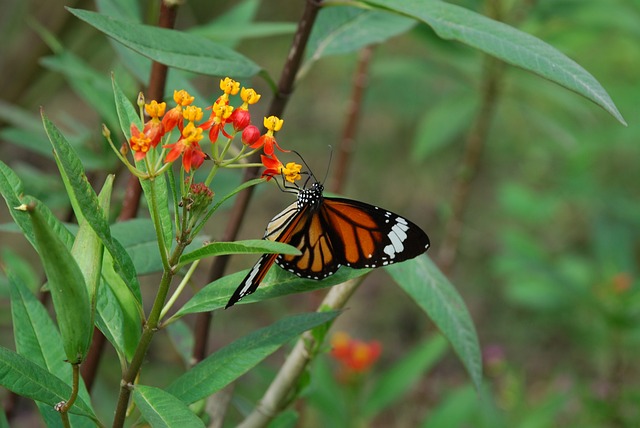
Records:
x=307, y=165
x=326, y=174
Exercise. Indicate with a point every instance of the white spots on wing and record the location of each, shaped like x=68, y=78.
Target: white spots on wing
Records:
x=397, y=236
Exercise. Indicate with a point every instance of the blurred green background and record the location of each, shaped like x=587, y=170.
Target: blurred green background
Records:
x=549, y=258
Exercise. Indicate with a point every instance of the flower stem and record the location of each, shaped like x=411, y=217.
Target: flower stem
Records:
x=149, y=329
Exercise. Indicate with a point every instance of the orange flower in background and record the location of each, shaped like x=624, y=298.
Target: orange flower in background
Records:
x=268, y=141
x=188, y=147
x=355, y=356
x=140, y=143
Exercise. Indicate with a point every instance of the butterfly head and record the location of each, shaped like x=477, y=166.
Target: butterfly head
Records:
x=310, y=196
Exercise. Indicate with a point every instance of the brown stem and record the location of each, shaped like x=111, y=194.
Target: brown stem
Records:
x=345, y=147
x=278, y=104
x=133, y=192
x=471, y=163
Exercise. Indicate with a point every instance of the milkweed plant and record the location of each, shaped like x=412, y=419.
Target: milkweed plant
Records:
x=175, y=148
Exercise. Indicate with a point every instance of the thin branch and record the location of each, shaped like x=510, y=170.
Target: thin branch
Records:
x=354, y=109
x=471, y=164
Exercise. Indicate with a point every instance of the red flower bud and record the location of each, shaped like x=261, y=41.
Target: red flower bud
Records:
x=240, y=118
x=250, y=134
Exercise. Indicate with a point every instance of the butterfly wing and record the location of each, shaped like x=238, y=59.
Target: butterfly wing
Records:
x=279, y=229
x=318, y=259
x=366, y=236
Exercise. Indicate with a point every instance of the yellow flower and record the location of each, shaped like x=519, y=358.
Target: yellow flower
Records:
x=182, y=98
x=155, y=109
x=229, y=86
x=192, y=113
x=291, y=172
x=249, y=96
x=273, y=123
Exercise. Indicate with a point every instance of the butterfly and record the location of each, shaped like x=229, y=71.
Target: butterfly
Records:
x=332, y=232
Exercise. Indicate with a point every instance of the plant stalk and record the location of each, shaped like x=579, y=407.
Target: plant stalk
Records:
x=278, y=395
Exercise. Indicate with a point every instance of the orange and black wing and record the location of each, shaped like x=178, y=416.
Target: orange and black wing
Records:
x=281, y=228
x=366, y=236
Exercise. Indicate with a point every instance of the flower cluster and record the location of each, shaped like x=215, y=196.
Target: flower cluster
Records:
x=224, y=120
x=354, y=356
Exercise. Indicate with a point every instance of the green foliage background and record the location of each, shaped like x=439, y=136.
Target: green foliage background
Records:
x=550, y=252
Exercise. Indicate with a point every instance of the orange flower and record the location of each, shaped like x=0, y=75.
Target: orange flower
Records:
x=139, y=142
x=291, y=172
x=268, y=141
x=154, y=129
x=174, y=116
x=220, y=113
x=355, y=356
x=188, y=147
x=273, y=166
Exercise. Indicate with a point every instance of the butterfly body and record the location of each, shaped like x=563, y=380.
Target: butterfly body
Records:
x=333, y=232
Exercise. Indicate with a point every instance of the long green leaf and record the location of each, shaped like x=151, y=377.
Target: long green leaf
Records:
x=125, y=319
x=85, y=203
x=28, y=379
x=163, y=410
x=88, y=249
x=173, y=48
x=67, y=286
x=38, y=340
x=224, y=366
x=502, y=41
x=277, y=283
x=341, y=30
x=250, y=246
x=11, y=189
x=433, y=292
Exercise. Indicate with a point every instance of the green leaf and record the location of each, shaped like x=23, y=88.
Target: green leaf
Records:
x=173, y=48
x=278, y=282
x=88, y=250
x=250, y=246
x=433, y=292
x=346, y=29
x=456, y=408
x=28, y=379
x=11, y=190
x=67, y=287
x=502, y=41
x=86, y=204
x=238, y=24
x=127, y=113
x=224, y=366
x=397, y=380
x=91, y=85
x=123, y=321
x=38, y=340
x=181, y=336
x=441, y=124
x=161, y=409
